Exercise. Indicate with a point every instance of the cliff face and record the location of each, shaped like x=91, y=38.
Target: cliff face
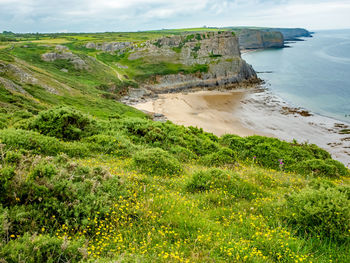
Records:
x=216, y=54
x=255, y=39
x=291, y=33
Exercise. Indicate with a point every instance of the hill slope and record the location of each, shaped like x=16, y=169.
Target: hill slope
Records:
x=84, y=178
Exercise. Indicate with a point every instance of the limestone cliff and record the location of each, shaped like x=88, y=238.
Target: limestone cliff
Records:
x=216, y=54
x=255, y=39
x=290, y=34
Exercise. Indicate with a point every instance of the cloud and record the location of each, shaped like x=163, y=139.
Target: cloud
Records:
x=132, y=15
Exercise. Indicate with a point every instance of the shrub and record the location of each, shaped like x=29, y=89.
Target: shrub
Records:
x=12, y=157
x=156, y=162
x=42, y=248
x=107, y=144
x=43, y=170
x=46, y=197
x=221, y=157
x=271, y=152
x=182, y=153
x=63, y=123
x=328, y=168
x=219, y=180
x=321, y=212
x=29, y=140
x=41, y=144
x=6, y=175
x=166, y=135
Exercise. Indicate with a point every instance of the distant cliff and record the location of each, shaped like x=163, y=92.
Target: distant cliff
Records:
x=290, y=34
x=256, y=39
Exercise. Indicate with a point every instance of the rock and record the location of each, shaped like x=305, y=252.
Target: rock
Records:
x=256, y=39
x=22, y=76
x=109, y=46
x=64, y=70
x=291, y=34
x=12, y=87
x=61, y=48
x=74, y=59
x=90, y=45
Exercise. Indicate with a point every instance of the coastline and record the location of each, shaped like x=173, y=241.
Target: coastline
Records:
x=246, y=112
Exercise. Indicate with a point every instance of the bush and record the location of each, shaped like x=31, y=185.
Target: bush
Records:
x=42, y=248
x=107, y=144
x=221, y=157
x=6, y=175
x=182, y=153
x=29, y=140
x=12, y=157
x=156, y=162
x=219, y=180
x=46, y=197
x=63, y=123
x=41, y=144
x=327, y=168
x=166, y=135
x=43, y=170
x=324, y=212
x=276, y=154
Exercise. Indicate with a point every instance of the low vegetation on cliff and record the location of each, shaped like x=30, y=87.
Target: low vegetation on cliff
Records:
x=84, y=178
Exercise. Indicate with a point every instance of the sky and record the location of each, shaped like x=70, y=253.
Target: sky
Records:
x=135, y=15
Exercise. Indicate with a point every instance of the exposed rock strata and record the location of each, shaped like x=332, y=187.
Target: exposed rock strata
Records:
x=65, y=55
x=290, y=34
x=109, y=46
x=257, y=39
x=218, y=50
x=14, y=72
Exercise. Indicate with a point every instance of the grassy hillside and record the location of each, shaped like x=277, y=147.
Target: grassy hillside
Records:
x=84, y=178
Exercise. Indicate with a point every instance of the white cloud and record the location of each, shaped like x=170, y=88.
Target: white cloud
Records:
x=127, y=15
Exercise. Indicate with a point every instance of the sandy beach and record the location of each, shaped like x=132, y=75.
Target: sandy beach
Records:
x=248, y=112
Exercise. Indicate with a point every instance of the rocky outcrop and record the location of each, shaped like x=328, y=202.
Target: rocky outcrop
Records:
x=257, y=39
x=12, y=72
x=109, y=46
x=218, y=51
x=77, y=62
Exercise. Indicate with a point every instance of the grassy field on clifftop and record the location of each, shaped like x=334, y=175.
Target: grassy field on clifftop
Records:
x=84, y=178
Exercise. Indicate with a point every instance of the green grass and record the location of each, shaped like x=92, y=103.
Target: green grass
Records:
x=108, y=184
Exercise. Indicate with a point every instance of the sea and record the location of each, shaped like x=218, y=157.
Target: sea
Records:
x=313, y=74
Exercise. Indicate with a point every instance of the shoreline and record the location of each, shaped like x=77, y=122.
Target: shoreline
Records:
x=246, y=112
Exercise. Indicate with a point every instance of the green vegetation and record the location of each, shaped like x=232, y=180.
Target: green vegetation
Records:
x=84, y=178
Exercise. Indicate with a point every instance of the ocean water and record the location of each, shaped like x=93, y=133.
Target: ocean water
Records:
x=313, y=74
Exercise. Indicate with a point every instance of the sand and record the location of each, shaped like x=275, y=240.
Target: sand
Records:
x=249, y=112
x=213, y=111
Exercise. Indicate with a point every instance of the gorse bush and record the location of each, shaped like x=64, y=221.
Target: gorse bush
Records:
x=41, y=144
x=107, y=144
x=166, y=135
x=54, y=193
x=63, y=123
x=182, y=153
x=320, y=211
x=271, y=152
x=156, y=161
x=219, y=180
x=43, y=170
x=43, y=248
x=325, y=168
x=221, y=157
